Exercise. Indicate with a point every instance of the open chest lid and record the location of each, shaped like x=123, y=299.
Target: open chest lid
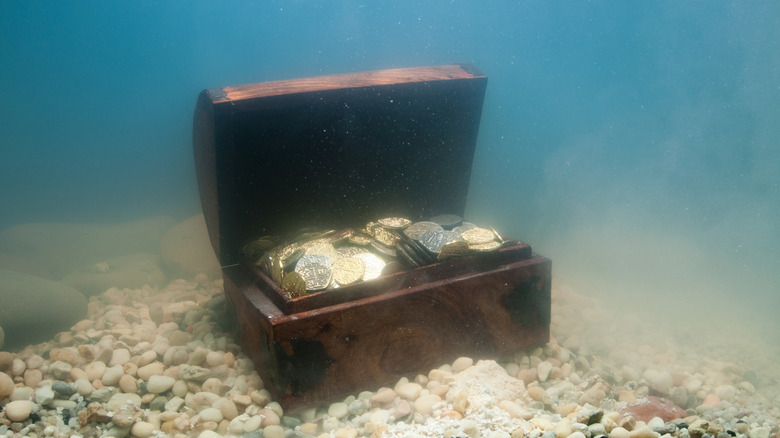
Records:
x=334, y=151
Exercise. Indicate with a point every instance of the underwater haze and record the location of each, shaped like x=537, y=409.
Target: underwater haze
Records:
x=635, y=143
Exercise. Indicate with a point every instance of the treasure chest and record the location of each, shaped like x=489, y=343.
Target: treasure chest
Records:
x=359, y=163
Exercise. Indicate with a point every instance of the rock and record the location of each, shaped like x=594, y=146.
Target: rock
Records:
x=63, y=248
x=142, y=429
x=409, y=391
x=383, y=396
x=186, y=250
x=160, y=384
x=194, y=373
x=461, y=364
x=6, y=385
x=18, y=410
x=273, y=431
x=44, y=395
x=424, y=405
x=485, y=383
x=127, y=271
x=211, y=414
x=120, y=400
x=654, y=407
x=543, y=370
x=33, y=309
x=63, y=388
x=338, y=410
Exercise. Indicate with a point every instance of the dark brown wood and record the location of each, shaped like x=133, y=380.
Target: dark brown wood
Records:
x=335, y=152
x=324, y=354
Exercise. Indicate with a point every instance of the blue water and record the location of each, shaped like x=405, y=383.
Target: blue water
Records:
x=634, y=142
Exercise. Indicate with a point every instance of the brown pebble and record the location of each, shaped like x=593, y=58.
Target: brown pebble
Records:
x=527, y=376
x=32, y=378
x=128, y=384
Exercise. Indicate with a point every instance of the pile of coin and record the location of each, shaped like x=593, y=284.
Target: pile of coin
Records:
x=314, y=261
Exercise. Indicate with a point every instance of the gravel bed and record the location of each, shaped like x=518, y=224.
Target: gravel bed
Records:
x=155, y=363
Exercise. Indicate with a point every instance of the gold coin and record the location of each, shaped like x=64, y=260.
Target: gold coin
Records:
x=394, y=223
x=450, y=250
x=478, y=235
x=348, y=270
x=294, y=284
x=360, y=238
x=277, y=271
x=374, y=265
x=485, y=247
x=498, y=236
x=383, y=236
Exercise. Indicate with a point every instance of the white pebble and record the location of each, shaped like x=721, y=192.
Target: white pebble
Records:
x=338, y=410
x=619, y=432
x=159, y=384
x=462, y=363
x=273, y=431
x=543, y=370
x=95, y=370
x=425, y=404
x=112, y=375
x=211, y=414
x=142, y=429
x=409, y=391
x=253, y=423
x=18, y=410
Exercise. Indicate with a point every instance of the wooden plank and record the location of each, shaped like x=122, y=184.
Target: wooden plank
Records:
x=341, y=81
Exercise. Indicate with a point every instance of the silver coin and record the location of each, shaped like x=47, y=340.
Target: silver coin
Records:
x=434, y=240
x=416, y=229
x=349, y=251
x=315, y=270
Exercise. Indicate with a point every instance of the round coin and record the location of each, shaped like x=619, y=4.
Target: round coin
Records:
x=450, y=250
x=485, y=247
x=478, y=235
x=316, y=272
x=394, y=223
x=374, y=265
x=434, y=240
x=348, y=270
x=416, y=229
x=294, y=284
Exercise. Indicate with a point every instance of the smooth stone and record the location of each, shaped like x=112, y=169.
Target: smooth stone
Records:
x=462, y=363
x=84, y=387
x=22, y=394
x=142, y=429
x=6, y=385
x=152, y=369
x=383, y=396
x=131, y=271
x=424, y=404
x=95, y=370
x=160, y=384
x=211, y=414
x=64, y=404
x=273, y=431
x=619, y=432
x=543, y=370
x=34, y=309
x=338, y=410
x=577, y=434
x=102, y=395
x=253, y=423
x=63, y=388
x=186, y=249
x=128, y=383
x=112, y=375
x=660, y=381
x=121, y=399
x=194, y=373
x=18, y=410
x=228, y=408
x=643, y=432
x=409, y=391
x=60, y=370
x=158, y=403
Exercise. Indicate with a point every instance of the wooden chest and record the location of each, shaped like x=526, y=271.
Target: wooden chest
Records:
x=339, y=151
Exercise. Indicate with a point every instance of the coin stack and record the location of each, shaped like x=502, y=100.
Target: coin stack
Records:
x=314, y=261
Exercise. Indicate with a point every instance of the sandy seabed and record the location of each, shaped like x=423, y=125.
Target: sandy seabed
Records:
x=155, y=363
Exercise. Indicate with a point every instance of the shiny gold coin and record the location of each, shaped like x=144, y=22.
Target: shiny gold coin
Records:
x=360, y=238
x=294, y=284
x=485, y=247
x=454, y=249
x=383, y=235
x=348, y=270
x=374, y=265
x=394, y=223
x=277, y=271
x=478, y=235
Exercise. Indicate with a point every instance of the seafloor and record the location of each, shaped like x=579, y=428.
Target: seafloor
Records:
x=150, y=362
x=153, y=361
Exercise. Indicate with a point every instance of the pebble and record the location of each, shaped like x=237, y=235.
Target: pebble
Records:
x=44, y=395
x=409, y=391
x=543, y=370
x=6, y=385
x=424, y=405
x=383, y=396
x=619, y=432
x=338, y=410
x=18, y=410
x=63, y=388
x=211, y=414
x=273, y=431
x=149, y=370
x=461, y=364
x=159, y=384
x=112, y=375
x=142, y=429
x=643, y=432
